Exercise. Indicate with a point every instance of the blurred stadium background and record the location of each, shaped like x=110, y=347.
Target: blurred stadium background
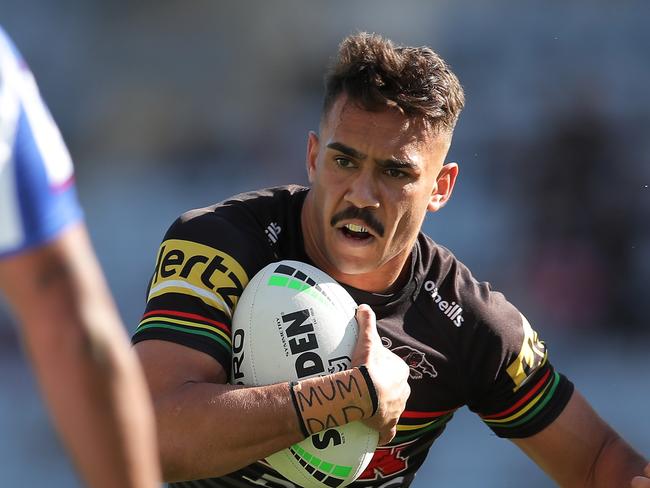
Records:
x=173, y=105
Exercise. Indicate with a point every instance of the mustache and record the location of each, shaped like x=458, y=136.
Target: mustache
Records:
x=363, y=214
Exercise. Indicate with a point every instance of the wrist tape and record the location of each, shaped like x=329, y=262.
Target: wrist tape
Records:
x=334, y=400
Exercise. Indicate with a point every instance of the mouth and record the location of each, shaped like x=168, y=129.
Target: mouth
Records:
x=356, y=232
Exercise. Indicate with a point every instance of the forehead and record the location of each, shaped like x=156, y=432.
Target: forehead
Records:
x=386, y=133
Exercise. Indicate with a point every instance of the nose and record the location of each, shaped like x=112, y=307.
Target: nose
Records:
x=362, y=192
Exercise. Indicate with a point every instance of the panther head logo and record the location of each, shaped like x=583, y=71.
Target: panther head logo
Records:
x=416, y=361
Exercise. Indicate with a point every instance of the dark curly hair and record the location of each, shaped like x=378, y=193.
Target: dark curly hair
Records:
x=377, y=75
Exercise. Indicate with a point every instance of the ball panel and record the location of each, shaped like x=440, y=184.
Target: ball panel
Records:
x=330, y=465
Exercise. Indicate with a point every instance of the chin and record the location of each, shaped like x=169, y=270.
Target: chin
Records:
x=354, y=266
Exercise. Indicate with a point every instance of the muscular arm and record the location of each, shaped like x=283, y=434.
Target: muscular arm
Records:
x=208, y=428
x=90, y=378
x=580, y=450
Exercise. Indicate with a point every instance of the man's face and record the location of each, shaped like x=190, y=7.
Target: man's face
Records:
x=373, y=177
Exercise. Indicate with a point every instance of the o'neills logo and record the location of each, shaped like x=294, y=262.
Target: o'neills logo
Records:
x=452, y=310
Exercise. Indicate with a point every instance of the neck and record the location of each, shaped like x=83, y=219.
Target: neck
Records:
x=387, y=279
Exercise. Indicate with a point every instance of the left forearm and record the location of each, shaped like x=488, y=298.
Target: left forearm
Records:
x=579, y=449
x=617, y=464
x=98, y=403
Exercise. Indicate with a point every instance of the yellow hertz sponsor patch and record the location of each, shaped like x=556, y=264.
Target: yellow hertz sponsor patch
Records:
x=200, y=271
x=531, y=356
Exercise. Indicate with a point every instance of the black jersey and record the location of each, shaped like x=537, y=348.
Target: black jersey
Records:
x=464, y=343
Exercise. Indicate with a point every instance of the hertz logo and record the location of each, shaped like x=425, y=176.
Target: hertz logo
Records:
x=195, y=269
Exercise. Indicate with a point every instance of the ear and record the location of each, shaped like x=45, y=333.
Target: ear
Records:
x=313, y=146
x=444, y=186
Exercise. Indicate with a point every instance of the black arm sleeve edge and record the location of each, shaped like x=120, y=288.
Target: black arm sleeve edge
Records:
x=205, y=346
x=551, y=412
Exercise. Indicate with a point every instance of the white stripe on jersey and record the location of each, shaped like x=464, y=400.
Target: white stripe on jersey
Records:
x=212, y=297
x=11, y=229
x=47, y=137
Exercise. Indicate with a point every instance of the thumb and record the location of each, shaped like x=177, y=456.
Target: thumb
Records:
x=367, y=322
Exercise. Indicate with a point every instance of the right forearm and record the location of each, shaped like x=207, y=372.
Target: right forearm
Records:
x=208, y=430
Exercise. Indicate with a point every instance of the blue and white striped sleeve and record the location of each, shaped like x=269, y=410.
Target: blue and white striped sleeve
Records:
x=37, y=194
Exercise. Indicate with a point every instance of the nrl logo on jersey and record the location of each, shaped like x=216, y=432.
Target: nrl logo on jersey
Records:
x=452, y=310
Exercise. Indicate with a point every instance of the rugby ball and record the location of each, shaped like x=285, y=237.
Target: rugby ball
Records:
x=293, y=322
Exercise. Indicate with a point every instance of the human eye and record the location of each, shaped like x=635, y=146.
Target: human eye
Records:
x=343, y=162
x=395, y=173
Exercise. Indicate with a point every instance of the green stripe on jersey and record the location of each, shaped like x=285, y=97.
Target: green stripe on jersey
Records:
x=536, y=410
x=204, y=333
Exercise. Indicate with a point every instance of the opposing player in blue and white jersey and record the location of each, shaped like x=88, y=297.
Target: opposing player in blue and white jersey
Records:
x=53, y=282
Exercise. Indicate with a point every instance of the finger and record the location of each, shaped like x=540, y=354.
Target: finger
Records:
x=386, y=437
x=646, y=471
x=640, y=482
x=367, y=321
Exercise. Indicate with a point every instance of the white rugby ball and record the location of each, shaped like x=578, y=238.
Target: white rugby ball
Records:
x=294, y=322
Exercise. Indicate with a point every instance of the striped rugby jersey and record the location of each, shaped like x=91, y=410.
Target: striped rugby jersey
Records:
x=464, y=343
x=37, y=195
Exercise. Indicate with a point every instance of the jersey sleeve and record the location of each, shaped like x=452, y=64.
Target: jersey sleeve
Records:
x=37, y=192
x=203, y=265
x=511, y=383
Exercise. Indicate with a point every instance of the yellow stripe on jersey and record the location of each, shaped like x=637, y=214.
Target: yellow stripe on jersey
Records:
x=415, y=427
x=525, y=409
x=197, y=325
x=178, y=286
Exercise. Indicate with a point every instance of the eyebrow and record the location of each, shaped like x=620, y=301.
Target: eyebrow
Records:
x=338, y=146
x=397, y=163
x=385, y=163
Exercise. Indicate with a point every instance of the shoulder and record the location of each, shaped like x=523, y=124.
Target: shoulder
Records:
x=469, y=303
x=36, y=171
x=229, y=238
x=245, y=213
x=492, y=332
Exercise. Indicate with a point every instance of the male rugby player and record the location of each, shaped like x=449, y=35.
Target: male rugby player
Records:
x=432, y=338
x=91, y=380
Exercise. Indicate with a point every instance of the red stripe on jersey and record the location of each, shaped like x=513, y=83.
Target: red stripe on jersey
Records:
x=186, y=315
x=410, y=414
x=521, y=401
x=63, y=186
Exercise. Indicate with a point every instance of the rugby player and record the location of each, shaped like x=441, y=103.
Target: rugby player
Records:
x=91, y=380
x=433, y=338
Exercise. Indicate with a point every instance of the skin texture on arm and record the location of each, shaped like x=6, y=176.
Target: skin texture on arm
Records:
x=90, y=377
x=642, y=481
x=208, y=428
x=580, y=450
